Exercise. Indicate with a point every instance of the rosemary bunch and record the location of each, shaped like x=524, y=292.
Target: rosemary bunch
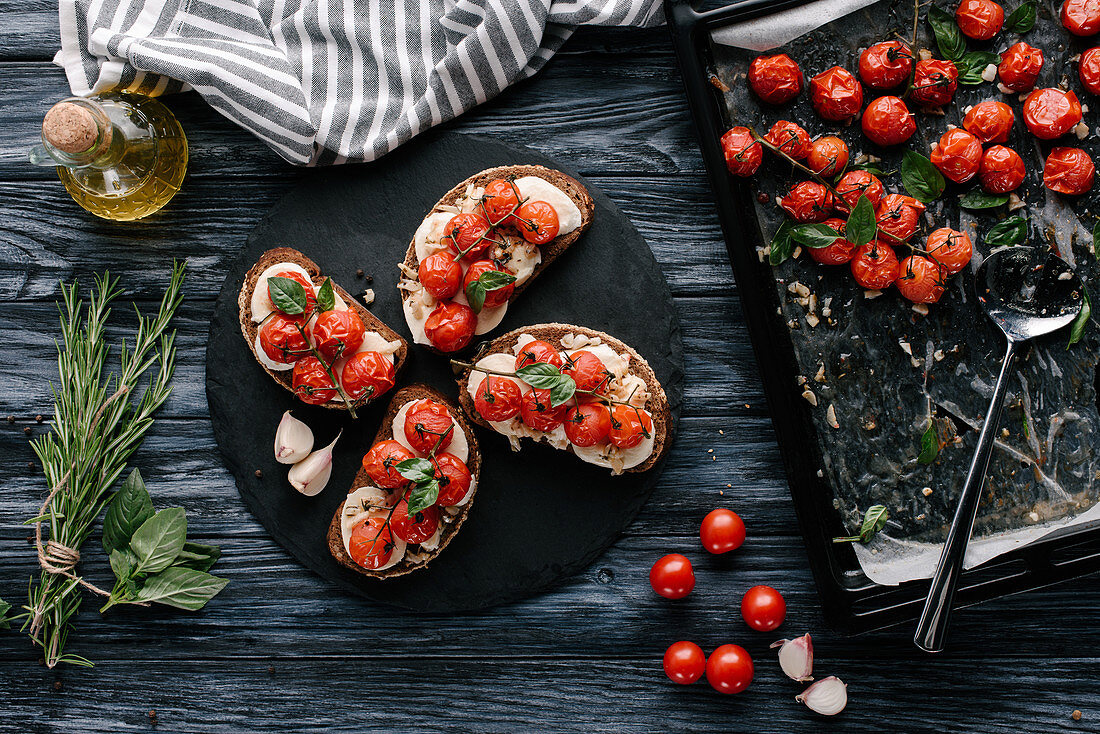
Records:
x=99, y=421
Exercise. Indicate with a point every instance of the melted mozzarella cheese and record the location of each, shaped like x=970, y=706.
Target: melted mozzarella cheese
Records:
x=488, y=319
x=363, y=504
x=261, y=300
x=615, y=458
x=429, y=235
x=267, y=361
x=534, y=188
x=518, y=256
x=459, y=445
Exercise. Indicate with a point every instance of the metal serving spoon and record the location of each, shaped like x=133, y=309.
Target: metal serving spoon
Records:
x=1028, y=292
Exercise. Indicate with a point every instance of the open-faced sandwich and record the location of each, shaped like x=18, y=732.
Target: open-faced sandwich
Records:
x=414, y=490
x=481, y=245
x=574, y=388
x=312, y=337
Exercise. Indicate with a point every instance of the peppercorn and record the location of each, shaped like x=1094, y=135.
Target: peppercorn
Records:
x=359, y=273
x=11, y=419
x=1076, y=715
x=57, y=685
x=762, y=197
x=40, y=418
x=30, y=466
x=27, y=430
x=259, y=474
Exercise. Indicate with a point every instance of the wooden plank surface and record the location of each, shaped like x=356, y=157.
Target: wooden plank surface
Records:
x=280, y=650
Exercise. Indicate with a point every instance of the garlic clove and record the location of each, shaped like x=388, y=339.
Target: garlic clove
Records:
x=310, y=475
x=293, y=440
x=796, y=657
x=827, y=697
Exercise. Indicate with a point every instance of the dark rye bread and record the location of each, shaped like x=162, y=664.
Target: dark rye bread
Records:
x=290, y=255
x=553, y=333
x=335, y=539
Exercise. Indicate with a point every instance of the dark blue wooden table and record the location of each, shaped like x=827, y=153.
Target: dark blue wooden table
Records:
x=281, y=650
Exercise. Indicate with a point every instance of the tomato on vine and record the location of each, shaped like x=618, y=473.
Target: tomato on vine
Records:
x=588, y=371
x=743, y=152
x=855, y=184
x=629, y=426
x=498, y=202
x=950, y=248
x=934, y=83
x=886, y=64
x=839, y=251
x=428, y=426
x=920, y=279
x=789, y=138
x=337, y=333
x=440, y=274
x=808, y=201
x=537, y=222
x=468, y=235
x=415, y=528
x=281, y=340
x=587, y=424
x=367, y=375
x=371, y=543
x=536, y=411
x=897, y=216
x=380, y=463
x=536, y=351
x=887, y=121
x=454, y=479
x=311, y=382
x=875, y=266
x=828, y=156
x=1081, y=17
x=497, y=399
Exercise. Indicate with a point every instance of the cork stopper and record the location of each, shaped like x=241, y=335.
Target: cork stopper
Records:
x=70, y=128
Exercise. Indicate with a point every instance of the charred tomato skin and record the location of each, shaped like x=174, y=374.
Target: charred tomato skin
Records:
x=950, y=248
x=839, y=252
x=1020, y=66
x=743, y=152
x=934, y=83
x=886, y=64
x=808, y=201
x=828, y=156
x=1069, y=171
x=1088, y=70
x=958, y=155
x=367, y=375
x=450, y=326
x=1081, y=17
x=497, y=399
x=836, y=94
x=887, y=121
x=380, y=463
x=990, y=121
x=875, y=266
x=775, y=79
x=1051, y=112
x=920, y=279
x=855, y=184
x=1002, y=170
x=980, y=19
x=898, y=217
x=790, y=138
x=311, y=382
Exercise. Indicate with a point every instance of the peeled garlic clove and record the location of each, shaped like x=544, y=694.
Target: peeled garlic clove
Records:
x=310, y=475
x=796, y=657
x=827, y=697
x=293, y=440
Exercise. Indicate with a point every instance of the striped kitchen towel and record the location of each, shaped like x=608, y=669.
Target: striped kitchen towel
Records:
x=326, y=81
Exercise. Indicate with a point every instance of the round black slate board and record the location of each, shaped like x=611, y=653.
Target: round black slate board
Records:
x=539, y=515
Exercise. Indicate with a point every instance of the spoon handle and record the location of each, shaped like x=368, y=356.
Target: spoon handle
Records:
x=932, y=628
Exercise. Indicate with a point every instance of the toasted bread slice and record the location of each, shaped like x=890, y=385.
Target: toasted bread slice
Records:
x=450, y=522
x=250, y=328
x=657, y=404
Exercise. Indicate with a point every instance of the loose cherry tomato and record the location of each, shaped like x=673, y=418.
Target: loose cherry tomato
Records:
x=875, y=266
x=950, y=248
x=537, y=222
x=672, y=576
x=537, y=413
x=684, y=662
x=468, y=235
x=454, y=479
x=415, y=529
x=367, y=375
x=1002, y=170
x=1068, y=171
x=743, y=153
x=493, y=298
x=990, y=121
x=281, y=340
x=763, y=608
x=836, y=94
x=311, y=298
x=311, y=382
x=371, y=543
x=380, y=463
x=775, y=79
x=729, y=669
x=934, y=83
x=1081, y=17
x=537, y=351
x=587, y=424
x=790, y=138
x=1020, y=66
x=980, y=19
x=855, y=184
x=1088, y=69
x=499, y=201
x=958, y=154
x=629, y=425
x=497, y=399
x=808, y=201
x=588, y=371
x=887, y=121
x=440, y=275
x=898, y=216
x=839, y=252
x=722, y=531
x=828, y=156
x=450, y=326
x=921, y=280
x=886, y=64
x=428, y=426
x=1051, y=113
x=337, y=333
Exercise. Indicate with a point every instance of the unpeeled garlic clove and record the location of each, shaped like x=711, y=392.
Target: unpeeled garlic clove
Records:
x=796, y=657
x=827, y=697
x=310, y=475
x=293, y=440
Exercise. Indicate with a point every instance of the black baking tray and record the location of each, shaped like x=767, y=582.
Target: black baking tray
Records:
x=852, y=603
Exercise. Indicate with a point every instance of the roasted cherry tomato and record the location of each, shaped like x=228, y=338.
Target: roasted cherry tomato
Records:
x=311, y=298
x=722, y=531
x=587, y=424
x=950, y=248
x=1002, y=170
x=499, y=201
x=415, y=529
x=281, y=340
x=1020, y=66
x=468, y=235
x=839, y=252
x=366, y=375
x=429, y=426
x=836, y=94
x=990, y=121
x=729, y=669
x=1088, y=69
x=537, y=413
x=537, y=222
x=684, y=662
x=588, y=371
x=371, y=543
x=921, y=279
x=629, y=425
x=886, y=65
x=1081, y=17
x=934, y=83
x=790, y=138
x=743, y=152
x=454, y=479
x=828, y=156
x=855, y=184
x=808, y=201
x=497, y=399
x=672, y=576
x=887, y=121
x=311, y=382
x=980, y=19
x=537, y=351
x=898, y=216
x=493, y=298
x=380, y=463
x=1051, y=113
x=763, y=608
x=440, y=275
x=450, y=326
x=775, y=79
x=337, y=333
x=875, y=266
x=958, y=155
x=1068, y=171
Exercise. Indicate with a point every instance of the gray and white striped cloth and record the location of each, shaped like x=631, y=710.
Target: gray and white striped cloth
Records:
x=326, y=81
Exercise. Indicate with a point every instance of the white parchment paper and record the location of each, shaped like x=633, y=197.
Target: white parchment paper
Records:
x=783, y=27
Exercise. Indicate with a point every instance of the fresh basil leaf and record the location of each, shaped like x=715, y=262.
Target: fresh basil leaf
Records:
x=159, y=540
x=874, y=520
x=1009, y=231
x=921, y=179
x=949, y=38
x=423, y=496
x=1078, y=329
x=287, y=295
x=978, y=199
x=540, y=374
x=929, y=445
x=5, y=616
x=562, y=391
x=494, y=280
x=183, y=588
x=198, y=556
x=417, y=469
x=973, y=65
x=122, y=563
x=782, y=245
x=129, y=508
x=814, y=235
x=326, y=298
x=1022, y=19
x=862, y=225
x=475, y=294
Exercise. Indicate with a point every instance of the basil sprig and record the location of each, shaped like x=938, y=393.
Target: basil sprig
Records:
x=425, y=491
x=874, y=520
x=1008, y=231
x=326, y=298
x=544, y=376
x=977, y=199
x=1078, y=329
x=862, y=225
x=949, y=38
x=973, y=64
x=782, y=244
x=287, y=295
x=1022, y=19
x=929, y=444
x=921, y=179
x=490, y=280
x=814, y=235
